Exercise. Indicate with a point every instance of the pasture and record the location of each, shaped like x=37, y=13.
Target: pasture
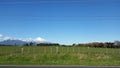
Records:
x=59, y=55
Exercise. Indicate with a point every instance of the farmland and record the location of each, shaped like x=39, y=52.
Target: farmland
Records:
x=59, y=55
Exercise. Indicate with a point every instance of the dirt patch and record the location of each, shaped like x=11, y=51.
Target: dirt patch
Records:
x=81, y=56
x=106, y=57
x=100, y=56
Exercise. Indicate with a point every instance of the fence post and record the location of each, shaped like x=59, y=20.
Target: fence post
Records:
x=73, y=49
x=62, y=51
x=78, y=50
x=45, y=50
x=106, y=50
x=119, y=50
x=88, y=50
x=57, y=50
x=22, y=50
x=67, y=49
x=51, y=50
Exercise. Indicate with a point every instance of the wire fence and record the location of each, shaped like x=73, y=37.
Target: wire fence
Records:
x=6, y=50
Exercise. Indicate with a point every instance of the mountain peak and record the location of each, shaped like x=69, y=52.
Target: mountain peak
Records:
x=18, y=41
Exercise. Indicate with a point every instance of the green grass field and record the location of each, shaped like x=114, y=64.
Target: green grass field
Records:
x=51, y=55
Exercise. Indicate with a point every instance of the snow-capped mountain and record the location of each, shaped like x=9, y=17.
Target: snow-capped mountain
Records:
x=13, y=42
x=20, y=42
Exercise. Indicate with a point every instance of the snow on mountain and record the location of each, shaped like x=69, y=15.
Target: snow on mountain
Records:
x=18, y=41
x=38, y=40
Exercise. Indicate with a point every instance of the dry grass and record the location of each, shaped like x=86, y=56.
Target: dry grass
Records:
x=82, y=56
x=99, y=56
x=93, y=57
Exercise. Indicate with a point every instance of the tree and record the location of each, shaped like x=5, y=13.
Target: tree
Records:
x=73, y=44
x=31, y=43
x=117, y=43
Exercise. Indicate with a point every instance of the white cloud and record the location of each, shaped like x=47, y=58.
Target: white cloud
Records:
x=1, y=35
x=38, y=39
x=4, y=37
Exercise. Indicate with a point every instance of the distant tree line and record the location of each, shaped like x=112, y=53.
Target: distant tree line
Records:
x=48, y=44
x=29, y=44
x=7, y=45
x=115, y=44
x=41, y=44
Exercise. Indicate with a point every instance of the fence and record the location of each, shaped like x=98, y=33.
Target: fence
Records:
x=6, y=50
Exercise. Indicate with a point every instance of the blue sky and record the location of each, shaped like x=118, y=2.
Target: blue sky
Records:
x=61, y=21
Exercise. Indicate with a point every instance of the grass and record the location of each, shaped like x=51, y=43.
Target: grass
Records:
x=48, y=55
